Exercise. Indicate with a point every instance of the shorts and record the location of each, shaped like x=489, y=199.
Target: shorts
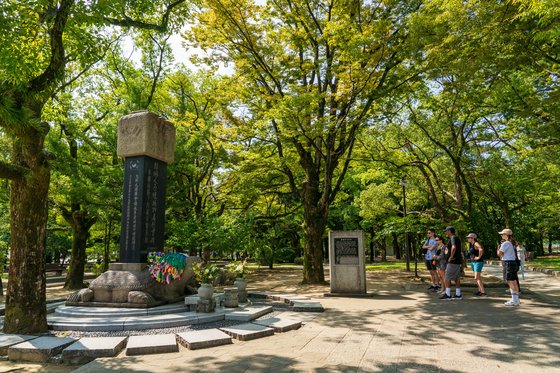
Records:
x=477, y=266
x=452, y=272
x=510, y=270
x=430, y=265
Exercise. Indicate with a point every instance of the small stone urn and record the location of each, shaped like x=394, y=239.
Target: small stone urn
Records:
x=241, y=285
x=205, y=291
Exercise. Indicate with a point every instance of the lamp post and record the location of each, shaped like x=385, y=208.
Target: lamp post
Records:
x=407, y=246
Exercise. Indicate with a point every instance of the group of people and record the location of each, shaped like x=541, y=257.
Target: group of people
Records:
x=444, y=262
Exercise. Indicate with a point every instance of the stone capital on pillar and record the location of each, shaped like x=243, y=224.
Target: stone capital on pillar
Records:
x=144, y=133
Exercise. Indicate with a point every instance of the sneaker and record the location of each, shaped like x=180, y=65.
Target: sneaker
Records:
x=478, y=293
x=482, y=294
x=511, y=303
x=431, y=288
x=445, y=297
x=458, y=297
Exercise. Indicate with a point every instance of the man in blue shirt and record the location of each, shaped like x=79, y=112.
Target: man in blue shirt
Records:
x=430, y=247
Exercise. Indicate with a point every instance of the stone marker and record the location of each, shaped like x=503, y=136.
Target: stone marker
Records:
x=230, y=298
x=246, y=332
x=7, y=340
x=203, y=338
x=347, y=263
x=87, y=349
x=147, y=142
x=40, y=349
x=151, y=344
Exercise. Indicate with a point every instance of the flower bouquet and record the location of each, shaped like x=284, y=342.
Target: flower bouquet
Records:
x=238, y=268
x=205, y=273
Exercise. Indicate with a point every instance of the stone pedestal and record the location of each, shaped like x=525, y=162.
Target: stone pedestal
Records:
x=241, y=285
x=131, y=285
x=205, y=305
x=230, y=298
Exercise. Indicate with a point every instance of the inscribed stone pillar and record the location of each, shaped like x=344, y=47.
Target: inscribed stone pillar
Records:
x=147, y=142
x=347, y=263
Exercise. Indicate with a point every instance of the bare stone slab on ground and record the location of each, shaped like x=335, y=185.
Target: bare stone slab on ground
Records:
x=203, y=338
x=87, y=349
x=248, y=314
x=279, y=324
x=304, y=317
x=151, y=344
x=308, y=307
x=39, y=349
x=246, y=332
x=7, y=340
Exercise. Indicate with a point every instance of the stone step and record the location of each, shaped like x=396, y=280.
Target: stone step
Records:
x=203, y=338
x=87, y=349
x=246, y=332
x=39, y=349
x=7, y=340
x=279, y=324
x=125, y=323
x=151, y=344
x=248, y=313
x=80, y=311
x=307, y=307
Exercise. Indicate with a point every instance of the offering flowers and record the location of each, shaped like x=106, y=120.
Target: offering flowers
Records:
x=205, y=273
x=239, y=268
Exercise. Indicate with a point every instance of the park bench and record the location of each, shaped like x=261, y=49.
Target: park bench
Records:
x=55, y=267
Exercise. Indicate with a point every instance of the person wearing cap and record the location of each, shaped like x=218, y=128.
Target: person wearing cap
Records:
x=454, y=261
x=476, y=252
x=441, y=261
x=507, y=253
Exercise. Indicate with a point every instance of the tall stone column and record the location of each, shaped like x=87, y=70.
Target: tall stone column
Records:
x=147, y=142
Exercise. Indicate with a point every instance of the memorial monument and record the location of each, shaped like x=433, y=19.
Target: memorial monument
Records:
x=347, y=264
x=147, y=143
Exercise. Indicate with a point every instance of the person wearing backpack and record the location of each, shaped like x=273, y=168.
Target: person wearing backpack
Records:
x=476, y=253
x=508, y=255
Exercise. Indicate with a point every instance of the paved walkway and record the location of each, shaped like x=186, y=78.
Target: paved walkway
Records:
x=395, y=331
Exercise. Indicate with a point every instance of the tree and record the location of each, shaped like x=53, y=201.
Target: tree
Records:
x=40, y=40
x=312, y=73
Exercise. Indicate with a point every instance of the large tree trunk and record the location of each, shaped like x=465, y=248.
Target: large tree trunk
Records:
x=80, y=232
x=315, y=222
x=26, y=311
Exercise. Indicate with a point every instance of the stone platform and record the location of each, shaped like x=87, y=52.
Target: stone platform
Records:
x=250, y=326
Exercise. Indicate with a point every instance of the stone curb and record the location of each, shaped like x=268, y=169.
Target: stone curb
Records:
x=529, y=268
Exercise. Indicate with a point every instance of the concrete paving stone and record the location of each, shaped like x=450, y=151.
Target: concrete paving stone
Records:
x=203, y=338
x=351, y=349
x=246, y=332
x=292, y=300
x=308, y=307
x=7, y=340
x=249, y=313
x=88, y=349
x=279, y=324
x=304, y=317
x=39, y=349
x=151, y=344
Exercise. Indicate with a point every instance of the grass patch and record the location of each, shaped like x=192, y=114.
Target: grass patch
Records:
x=549, y=263
x=388, y=266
